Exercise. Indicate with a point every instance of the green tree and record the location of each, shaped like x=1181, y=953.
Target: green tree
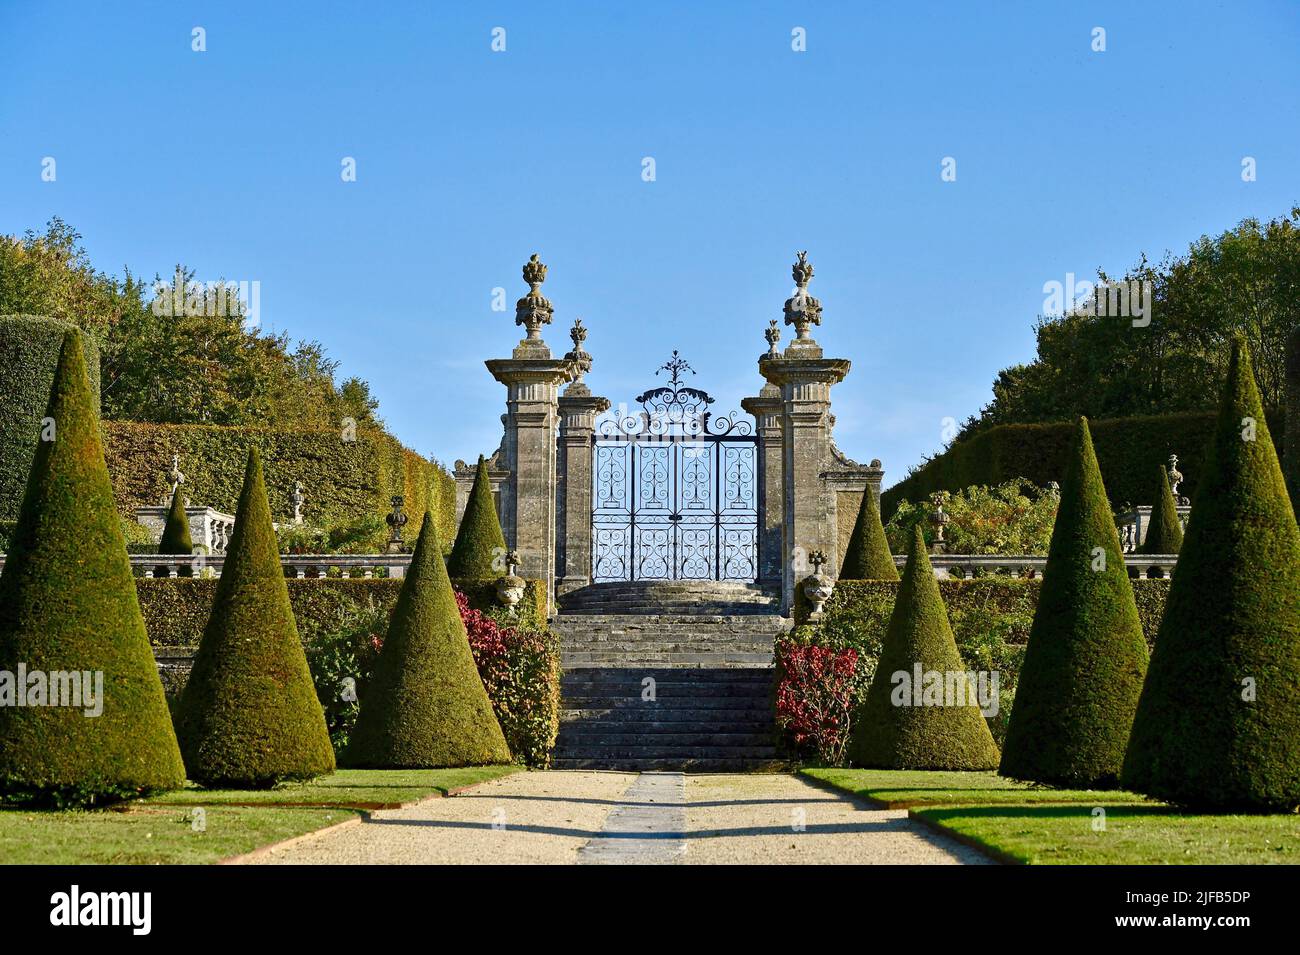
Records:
x=1014, y=517
x=480, y=545
x=1243, y=282
x=68, y=605
x=248, y=716
x=176, y=537
x=1086, y=656
x=425, y=705
x=1218, y=725
x=890, y=729
x=1165, y=530
x=867, y=557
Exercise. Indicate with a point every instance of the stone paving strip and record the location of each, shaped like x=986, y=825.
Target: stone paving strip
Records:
x=647, y=828
x=590, y=817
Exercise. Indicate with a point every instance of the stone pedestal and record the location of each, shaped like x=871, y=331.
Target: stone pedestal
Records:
x=578, y=409
x=528, y=521
x=209, y=529
x=768, y=410
x=809, y=507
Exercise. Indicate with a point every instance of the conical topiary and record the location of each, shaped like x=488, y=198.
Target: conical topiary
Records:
x=1218, y=725
x=68, y=605
x=176, y=534
x=1165, y=531
x=1086, y=657
x=901, y=726
x=480, y=545
x=867, y=557
x=249, y=716
x=425, y=705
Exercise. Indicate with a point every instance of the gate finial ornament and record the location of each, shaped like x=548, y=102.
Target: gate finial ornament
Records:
x=801, y=309
x=579, y=356
x=534, y=309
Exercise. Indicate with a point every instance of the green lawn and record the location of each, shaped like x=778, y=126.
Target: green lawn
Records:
x=356, y=788
x=1040, y=825
x=163, y=829
x=1134, y=835
x=146, y=835
x=905, y=788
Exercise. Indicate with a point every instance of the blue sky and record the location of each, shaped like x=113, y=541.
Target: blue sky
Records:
x=468, y=160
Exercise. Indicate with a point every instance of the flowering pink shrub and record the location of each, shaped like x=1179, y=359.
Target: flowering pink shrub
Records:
x=521, y=673
x=815, y=691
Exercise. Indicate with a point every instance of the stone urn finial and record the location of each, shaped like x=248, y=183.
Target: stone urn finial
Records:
x=801, y=309
x=579, y=356
x=939, y=520
x=510, y=588
x=396, y=520
x=534, y=309
x=817, y=587
x=773, y=335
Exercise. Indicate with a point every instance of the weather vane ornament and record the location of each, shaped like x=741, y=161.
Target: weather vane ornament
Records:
x=534, y=309
x=801, y=309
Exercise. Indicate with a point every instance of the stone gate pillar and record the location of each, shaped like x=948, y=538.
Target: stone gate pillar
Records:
x=805, y=377
x=578, y=411
x=767, y=407
x=532, y=379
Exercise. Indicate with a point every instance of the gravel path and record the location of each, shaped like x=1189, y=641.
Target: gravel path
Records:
x=762, y=819
x=616, y=818
x=524, y=817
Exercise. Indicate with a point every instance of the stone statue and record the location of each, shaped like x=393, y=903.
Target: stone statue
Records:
x=534, y=309
x=581, y=360
x=773, y=336
x=1175, y=479
x=297, y=498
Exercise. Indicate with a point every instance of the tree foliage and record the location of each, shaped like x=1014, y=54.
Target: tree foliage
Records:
x=1011, y=518
x=1245, y=281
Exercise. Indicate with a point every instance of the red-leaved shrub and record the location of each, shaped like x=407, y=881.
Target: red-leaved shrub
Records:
x=814, y=696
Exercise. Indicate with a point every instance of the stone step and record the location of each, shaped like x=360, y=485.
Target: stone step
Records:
x=612, y=707
x=675, y=660
x=656, y=751
x=671, y=738
x=683, y=764
x=685, y=721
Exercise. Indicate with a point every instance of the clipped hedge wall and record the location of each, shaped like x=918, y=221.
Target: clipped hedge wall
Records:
x=176, y=609
x=345, y=480
x=1128, y=450
x=990, y=618
x=29, y=350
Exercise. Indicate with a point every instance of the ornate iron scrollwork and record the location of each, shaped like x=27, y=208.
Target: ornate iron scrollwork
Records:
x=675, y=496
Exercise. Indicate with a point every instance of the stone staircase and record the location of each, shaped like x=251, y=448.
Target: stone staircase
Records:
x=667, y=675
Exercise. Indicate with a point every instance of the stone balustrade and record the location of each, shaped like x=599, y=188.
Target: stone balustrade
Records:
x=1133, y=523
x=299, y=566
x=966, y=566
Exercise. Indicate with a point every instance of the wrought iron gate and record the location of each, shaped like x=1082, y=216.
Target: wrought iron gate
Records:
x=675, y=489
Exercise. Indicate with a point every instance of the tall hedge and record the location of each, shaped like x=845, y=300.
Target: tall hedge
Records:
x=1086, y=657
x=1164, y=530
x=425, y=705
x=890, y=730
x=29, y=350
x=1218, y=726
x=176, y=538
x=867, y=556
x=480, y=544
x=346, y=480
x=1127, y=450
x=68, y=603
x=249, y=716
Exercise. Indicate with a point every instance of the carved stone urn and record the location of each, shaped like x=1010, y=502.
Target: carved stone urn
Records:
x=510, y=588
x=817, y=587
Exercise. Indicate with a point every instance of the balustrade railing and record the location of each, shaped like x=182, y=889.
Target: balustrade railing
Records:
x=296, y=566
x=966, y=566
